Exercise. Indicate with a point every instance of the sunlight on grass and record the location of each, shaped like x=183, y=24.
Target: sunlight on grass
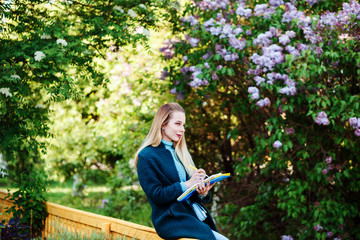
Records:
x=87, y=189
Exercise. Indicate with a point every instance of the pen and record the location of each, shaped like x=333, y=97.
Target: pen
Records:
x=193, y=167
x=196, y=169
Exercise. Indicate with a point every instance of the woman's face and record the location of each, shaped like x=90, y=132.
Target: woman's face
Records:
x=174, y=129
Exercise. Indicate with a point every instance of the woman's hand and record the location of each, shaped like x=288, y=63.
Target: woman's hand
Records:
x=197, y=177
x=204, y=187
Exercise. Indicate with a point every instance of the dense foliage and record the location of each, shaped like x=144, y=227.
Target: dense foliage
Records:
x=276, y=88
x=50, y=52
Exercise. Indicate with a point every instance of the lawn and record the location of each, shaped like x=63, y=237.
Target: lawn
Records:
x=128, y=204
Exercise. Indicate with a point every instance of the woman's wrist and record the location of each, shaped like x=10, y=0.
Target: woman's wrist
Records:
x=202, y=196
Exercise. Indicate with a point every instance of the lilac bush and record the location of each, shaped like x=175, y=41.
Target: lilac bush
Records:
x=285, y=76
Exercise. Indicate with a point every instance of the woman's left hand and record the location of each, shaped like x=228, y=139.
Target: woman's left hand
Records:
x=204, y=187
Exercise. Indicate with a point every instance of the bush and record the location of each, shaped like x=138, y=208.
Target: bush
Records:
x=275, y=85
x=29, y=201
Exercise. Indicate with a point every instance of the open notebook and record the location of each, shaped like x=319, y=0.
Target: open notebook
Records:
x=213, y=178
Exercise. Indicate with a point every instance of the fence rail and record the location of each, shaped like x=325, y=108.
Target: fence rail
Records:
x=84, y=222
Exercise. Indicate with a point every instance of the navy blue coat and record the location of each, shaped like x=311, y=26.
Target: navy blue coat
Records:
x=161, y=183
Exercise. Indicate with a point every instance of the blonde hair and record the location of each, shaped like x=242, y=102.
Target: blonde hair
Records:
x=154, y=136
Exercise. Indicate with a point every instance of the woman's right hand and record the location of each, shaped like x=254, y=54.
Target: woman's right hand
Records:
x=197, y=177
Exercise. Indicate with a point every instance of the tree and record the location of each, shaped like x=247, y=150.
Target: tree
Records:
x=48, y=51
x=279, y=80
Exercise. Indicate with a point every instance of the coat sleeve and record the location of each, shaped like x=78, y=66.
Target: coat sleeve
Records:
x=155, y=189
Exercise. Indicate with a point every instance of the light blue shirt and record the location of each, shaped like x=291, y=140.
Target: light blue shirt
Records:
x=200, y=212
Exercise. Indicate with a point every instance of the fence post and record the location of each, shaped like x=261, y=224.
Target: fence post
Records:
x=105, y=227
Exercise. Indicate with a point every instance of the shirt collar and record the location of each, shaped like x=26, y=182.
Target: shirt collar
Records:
x=167, y=143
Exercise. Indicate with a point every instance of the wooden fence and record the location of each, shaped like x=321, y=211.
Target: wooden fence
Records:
x=84, y=222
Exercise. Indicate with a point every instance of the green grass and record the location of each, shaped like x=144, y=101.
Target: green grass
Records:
x=61, y=233
x=91, y=201
x=128, y=204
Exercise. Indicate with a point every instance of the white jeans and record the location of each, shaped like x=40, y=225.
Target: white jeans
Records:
x=219, y=236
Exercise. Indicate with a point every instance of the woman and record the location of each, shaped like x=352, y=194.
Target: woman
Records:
x=163, y=166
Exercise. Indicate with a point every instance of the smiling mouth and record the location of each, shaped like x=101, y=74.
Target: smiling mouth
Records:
x=179, y=135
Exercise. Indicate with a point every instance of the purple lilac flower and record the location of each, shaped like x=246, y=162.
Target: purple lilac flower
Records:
x=207, y=55
x=322, y=118
x=214, y=77
x=286, y=237
x=284, y=39
x=173, y=91
x=353, y=122
x=272, y=55
x=257, y=71
x=168, y=53
x=262, y=39
x=276, y=3
x=318, y=51
x=242, y=11
x=259, y=80
x=215, y=31
x=185, y=58
x=180, y=96
x=231, y=57
x=289, y=131
x=302, y=47
x=196, y=71
x=164, y=74
x=324, y=171
x=263, y=102
x=195, y=83
x=290, y=91
x=341, y=227
x=168, y=48
x=255, y=96
x=260, y=9
x=277, y=144
x=206, y=65
x=237, y=44
x=293, y=51
x=318, y=227
x=212, y=5
x=209, y=23
x=184, y=70
x=271, y=77
x=311, y=2
x=311, y=35
x=291, y=13
x=352, y=8
x=290, y=34
x=238, y=30
x=268, y=12
x=267, y=102
x=227, y=29
x=357, y=132
x=192, y=20
x=193, y=41
x=327, y=20
x=328, y=160
x=248, y=32
x=273, y=31
x=253, y=90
